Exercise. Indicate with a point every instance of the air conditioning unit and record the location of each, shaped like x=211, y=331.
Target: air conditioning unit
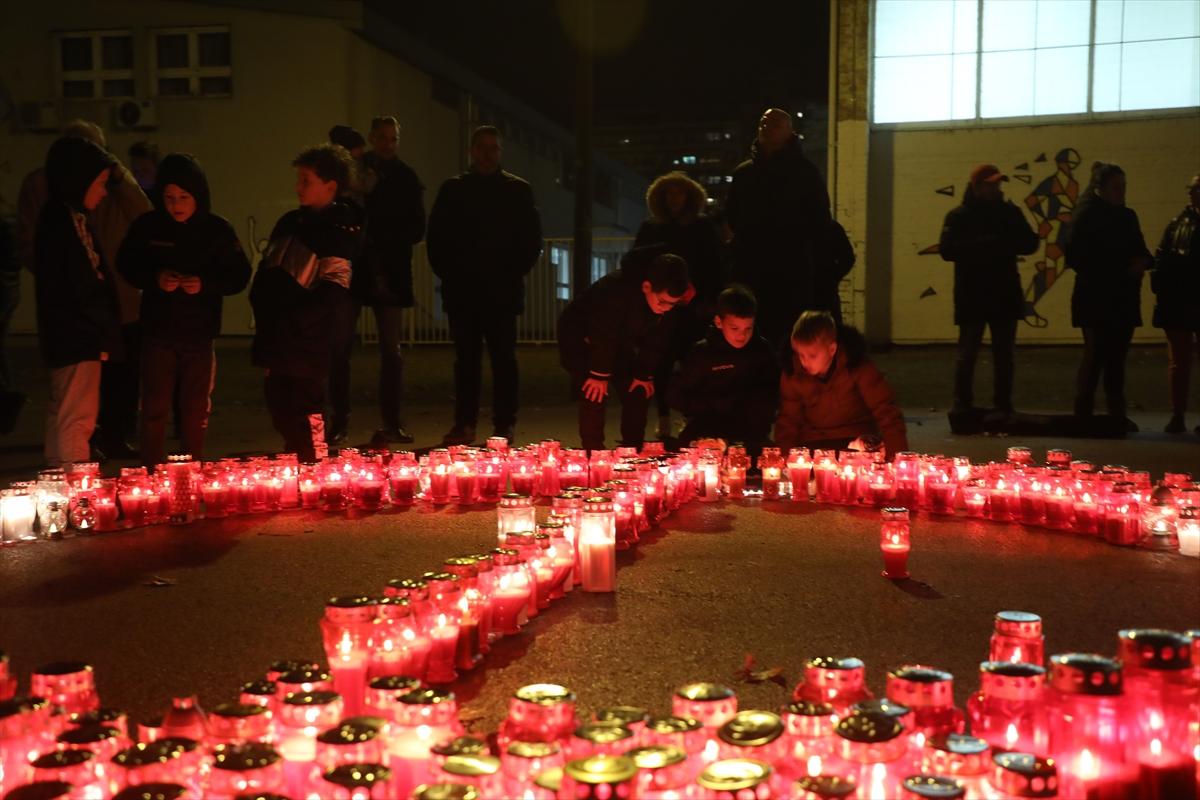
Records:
x=43, y=115
x=135, y=115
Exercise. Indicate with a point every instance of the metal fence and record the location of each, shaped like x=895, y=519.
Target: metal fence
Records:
x=548, y=289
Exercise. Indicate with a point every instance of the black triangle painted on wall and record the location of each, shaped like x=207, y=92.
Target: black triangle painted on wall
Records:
x=946, y=190
x=929, y=292
x=1040, y=158
x=1024, y=165
x=1024, y=178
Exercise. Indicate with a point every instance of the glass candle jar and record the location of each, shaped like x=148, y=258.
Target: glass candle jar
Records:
x=708, y=479
x=771, y=464
x=1020, y=775
x=809, y=729
x=308, y=678
x=1187, y=531
x=686, y=733
x=1009, y=709
x=166, y=760
x=840, y=682
x=1122, y=522
x=870, y=749
x=756, y=735
x=301, y=716
x=632, y=717
x=239, y=723
x=357, y=782
x=1085, y=704
x=895, y=542
x=965, y=759
x=512, y=590
x=929, y=692
x=799, y=467
x=514, y=515
x=523, y=761
x=597, y=544
x=736, y=779
x=1017, y=637
x=260, y=693
x=25, y=732
x=663, y=772
x=346, y=632
x=424, y=718
x=599, y=777
x=69, y=686
x=540, y=712
x=599, y=738
x=384, y=692
x=711, y=704
x=399, y=644
x=241, y=768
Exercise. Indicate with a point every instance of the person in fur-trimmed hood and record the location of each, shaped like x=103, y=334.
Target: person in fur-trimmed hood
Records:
x=678, y=222
x=831, y=395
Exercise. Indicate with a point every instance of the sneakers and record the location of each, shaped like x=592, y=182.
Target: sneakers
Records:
x=1176, y=425
x=397, y=435
x=459, y=434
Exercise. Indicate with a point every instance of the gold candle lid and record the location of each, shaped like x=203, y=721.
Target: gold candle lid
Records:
x=533, y=749
x=626, y=715
x=445, y=791
x=751, y=729
x=704, y=691
x=472, y=766
x=673, y=724
x=550, y=779
x=601, y=769
x=545, y=694
x=460, y=746
x=656, y=756
x=603, y=732
x=734, y=774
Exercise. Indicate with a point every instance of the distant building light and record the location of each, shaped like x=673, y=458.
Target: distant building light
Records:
x=727, y=136
x=676, y=162
x=689, y=160
x=801, y=135
x=729, y=179
x=711, y=200
x=624, y=141
x=799, y=114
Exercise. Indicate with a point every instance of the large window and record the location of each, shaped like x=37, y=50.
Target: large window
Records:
x=94, y=64
x=192, y=62
x=986, y=59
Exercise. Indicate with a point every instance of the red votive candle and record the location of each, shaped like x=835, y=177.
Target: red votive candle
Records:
x=895, y=543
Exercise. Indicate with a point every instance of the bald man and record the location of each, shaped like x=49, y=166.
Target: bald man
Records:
x=778, y=209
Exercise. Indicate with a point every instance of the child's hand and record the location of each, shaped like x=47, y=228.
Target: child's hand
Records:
x=595, y=389
x=168, y=281
x=190, y=283
x=648, y=386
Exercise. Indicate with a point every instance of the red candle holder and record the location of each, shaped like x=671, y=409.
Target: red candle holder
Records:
x=239, y=769
x=600, y=777
x=1009, y=710
x=965, y=759
x=240, y=723
x=870, y=749
x=346, y=632
x=895, y=543
x=357, y=782
x=524, y=761
x=68, y=685
x=1017, y=636
x=736, y=778
x=840, y=682
x=510, y=600
x=929, y=692
x=1024, y=775
x=712, y=704
x=685, y=733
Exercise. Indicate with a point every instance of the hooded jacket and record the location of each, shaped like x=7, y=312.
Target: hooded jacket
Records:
x=1176, y=276
x=1101, y=240
x=485, y=235
x=77, y=312
x=395, y=222
x=302, y=288
x=205, y=246
x=609, y=327
x=852, y=399
x=691, y=236
x=721, y=382
x=983, y=239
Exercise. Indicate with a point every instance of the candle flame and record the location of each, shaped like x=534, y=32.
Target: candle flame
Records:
x=878, y=790
x=711, y=750
x=1087, y=498
x=1015, y=658
x=919, y=739
x=814, y=765
x=1156, y=721
x=441, y=620
x=1011, y=736
x=1088, y=766
x=388, y=645
x=1155, y=747
x=346, y=645
x=895, y=538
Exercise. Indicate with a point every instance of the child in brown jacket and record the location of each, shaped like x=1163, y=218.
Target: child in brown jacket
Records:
x=831, y=394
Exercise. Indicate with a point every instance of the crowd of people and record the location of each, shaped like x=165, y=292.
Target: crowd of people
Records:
x=735, y=326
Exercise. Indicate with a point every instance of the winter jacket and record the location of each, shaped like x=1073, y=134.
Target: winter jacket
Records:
x=609, y=328
x=983, y=239
x=1176, y=276
x=78, y=317
x=778, y=209
x=834, y=258
x=720, y=382
x=691, y=236
x=395, y=222
x=853, y=399
x=485, y=235
x=110, y=220
x=302, y=288
x=205, y=246
x=1101, y=241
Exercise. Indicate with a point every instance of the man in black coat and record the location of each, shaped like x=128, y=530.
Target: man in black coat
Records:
x=778, y=209
x=983, y=237
x=1176, y=284
x=392, y=194
x=485, y=235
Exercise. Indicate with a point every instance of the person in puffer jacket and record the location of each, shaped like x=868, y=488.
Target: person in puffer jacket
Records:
x=300, y=292
x=185, y=259
x=831, y=395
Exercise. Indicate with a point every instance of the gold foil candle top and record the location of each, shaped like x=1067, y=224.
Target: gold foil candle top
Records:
x=734, y=774
x=704, y=692
x=656, y=756
x=601, y=769
x=545, y=694
x=751, y=729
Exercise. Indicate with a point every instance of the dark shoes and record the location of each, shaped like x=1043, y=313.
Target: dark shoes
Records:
x=507, y=431
x=386, y=436
x=459, y=434
x=118, y=450
x=336, y=431
x=1176, y=425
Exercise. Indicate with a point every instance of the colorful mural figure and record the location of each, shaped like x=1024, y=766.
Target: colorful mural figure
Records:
x=1051, y=202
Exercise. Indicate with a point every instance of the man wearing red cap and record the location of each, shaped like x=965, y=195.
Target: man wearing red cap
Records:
x=983, y=237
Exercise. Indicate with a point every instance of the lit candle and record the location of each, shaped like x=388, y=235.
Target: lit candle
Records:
x=894, y=542
x=597, y=542
x=1188, y=531
x=216, y=498
x=1086, y=514
x=310, y=493
x=346, y=632
x=444, y=641
x=1060, y=512
x=940, y=491
x=106, y=514
x=133, y=506
x=439, y=484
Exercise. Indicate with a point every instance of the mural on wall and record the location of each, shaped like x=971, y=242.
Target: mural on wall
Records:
x=1051, y=203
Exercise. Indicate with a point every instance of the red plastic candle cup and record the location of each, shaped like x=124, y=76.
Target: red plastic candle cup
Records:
x=69, y=685
x=597, y=543
x=929, y=693
x=840, y=682
x=895, y=542
x=711, y=704
x=1009, y=710
x=239, y=769
x=369, y=489
x=513, y=585
x=346, y=632
x=1086, y=513
x=310, y=492
x=1017, y=637
x=1060, y=510
x=541, y=712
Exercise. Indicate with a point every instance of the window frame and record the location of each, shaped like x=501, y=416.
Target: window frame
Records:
x=193, y=72
x=1026, y=120
x=97, y=75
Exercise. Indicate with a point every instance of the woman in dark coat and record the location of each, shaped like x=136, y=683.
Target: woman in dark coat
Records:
x=1176, y=284
x=678, y=222
x=1106, y=249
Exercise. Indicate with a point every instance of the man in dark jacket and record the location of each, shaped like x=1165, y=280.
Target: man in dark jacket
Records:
x=382, y=277
x=300, y=292
x=11, y=400
x=1176, y=284
x=485, y=235
x=78, y=317
x=730, y=380
x=614, y=334
x=778, y=209
x=185, y=259
x=983, y=237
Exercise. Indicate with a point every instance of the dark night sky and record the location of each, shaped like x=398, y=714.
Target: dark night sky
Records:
x=698, y=59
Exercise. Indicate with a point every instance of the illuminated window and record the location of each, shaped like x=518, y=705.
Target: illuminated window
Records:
x=985, y=59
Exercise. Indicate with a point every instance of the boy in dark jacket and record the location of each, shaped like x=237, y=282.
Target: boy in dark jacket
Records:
x=614, y=334
x=300, y=293
x=983, y=237
x=79, y=321
x=730, y=380
x=185, y=259
x=831, y=395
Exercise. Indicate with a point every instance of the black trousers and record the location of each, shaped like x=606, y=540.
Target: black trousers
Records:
x=171, y=371
x=744, y=425
x=634, y=406
x=10, y=298
x=1004, y=346
x=119, y=390
x=1104, y=351
x=389, y=327
x=295, y=403
x=470, y=330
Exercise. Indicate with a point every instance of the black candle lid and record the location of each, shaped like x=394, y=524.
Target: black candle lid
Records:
x=21, y=704
x=260, y=687
x=239, y=710
x=62, y=668
x=244, y=757
x=427, y=697
x=305, y=675
x=1086, y=673
x=827, y=787
x=348, y=733
x=934, y=787
x=462, y=746
x=87, y=734
x=354, y=776
x=61, y=759
x=318, y=698
x=40, y=790
x=1156, y=649
x=834, y=662
x=806, y=709
x=396, y=683
x=869, y=727
x=883, y=706
x=151, y=791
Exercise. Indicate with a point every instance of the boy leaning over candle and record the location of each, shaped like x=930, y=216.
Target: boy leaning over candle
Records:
x=832, y=395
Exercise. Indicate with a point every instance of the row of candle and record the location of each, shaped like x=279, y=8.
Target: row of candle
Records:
x=1089, y=727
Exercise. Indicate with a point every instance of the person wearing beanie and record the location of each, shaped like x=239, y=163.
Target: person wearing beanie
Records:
x=185, y=259
x=78, y=318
